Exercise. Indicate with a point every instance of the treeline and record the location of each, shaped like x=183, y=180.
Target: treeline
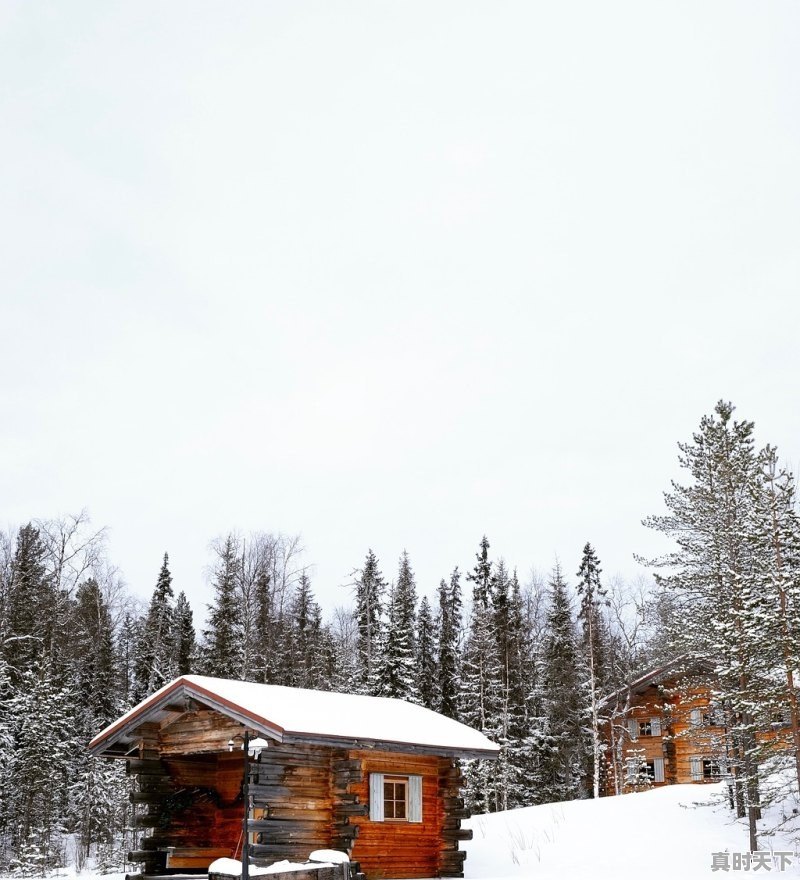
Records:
x=526, y=661
x=511, y=659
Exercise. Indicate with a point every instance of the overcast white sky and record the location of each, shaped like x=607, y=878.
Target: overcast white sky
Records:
x=389, y=274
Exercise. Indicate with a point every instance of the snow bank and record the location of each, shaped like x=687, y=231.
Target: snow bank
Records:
x=234, y=867
x=663, y=834
x=225, y=866
x=329, y=855
x=280, y=867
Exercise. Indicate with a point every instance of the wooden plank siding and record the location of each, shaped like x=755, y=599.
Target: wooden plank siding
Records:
x=399, y=849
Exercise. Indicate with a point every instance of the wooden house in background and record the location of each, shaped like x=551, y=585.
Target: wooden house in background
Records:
x=665, y=728
x=376, y=778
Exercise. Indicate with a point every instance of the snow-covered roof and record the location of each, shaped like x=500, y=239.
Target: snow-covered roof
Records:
x=685, y=664
x=290, y=714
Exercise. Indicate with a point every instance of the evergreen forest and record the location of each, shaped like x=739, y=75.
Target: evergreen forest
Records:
x=527, y=658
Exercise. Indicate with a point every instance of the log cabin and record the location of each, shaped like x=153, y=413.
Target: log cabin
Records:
x=374, y=777
x=666, y=728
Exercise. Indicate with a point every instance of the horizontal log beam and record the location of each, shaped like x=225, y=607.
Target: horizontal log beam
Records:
x=459, y=834
x=350, y=810
x=269, y=825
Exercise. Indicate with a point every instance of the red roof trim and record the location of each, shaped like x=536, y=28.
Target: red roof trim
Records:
x=157, y=698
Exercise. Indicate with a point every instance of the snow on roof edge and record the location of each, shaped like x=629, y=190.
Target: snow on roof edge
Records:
x=318, y=715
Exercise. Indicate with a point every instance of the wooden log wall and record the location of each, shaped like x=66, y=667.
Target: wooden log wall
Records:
x=347, y=803
x=153, y=786
x=292, y=801
x=451, y=782
x=399, y=849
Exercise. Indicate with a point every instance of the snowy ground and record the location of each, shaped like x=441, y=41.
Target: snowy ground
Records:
x=670, y=833
x=665, y=833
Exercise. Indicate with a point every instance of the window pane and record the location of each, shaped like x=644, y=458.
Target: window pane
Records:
x=400, y=809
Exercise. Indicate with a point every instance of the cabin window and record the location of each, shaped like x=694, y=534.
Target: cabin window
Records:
x=644, y=772
x=395, y=797
x=644, y=727
x=705, y=769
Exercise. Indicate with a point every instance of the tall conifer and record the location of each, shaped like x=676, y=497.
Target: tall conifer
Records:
x=155, y=660
x=450, y=626
x=223, y=638
x=369, y=590
x=591, y=597
x=185, y=638
x=713, y=575
x=562, y=704
x=427, y=667
x=398, y=677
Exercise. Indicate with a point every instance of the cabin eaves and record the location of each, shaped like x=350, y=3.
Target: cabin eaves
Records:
x=295, y=715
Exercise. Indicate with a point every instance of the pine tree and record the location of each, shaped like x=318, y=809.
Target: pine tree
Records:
x=481, y=575
x=41, y=722
x=397, y=674
x=369, y=589
x=30, y=602
x=450, y=644
x=94, y=665
x=480, y=698
x=98, y=790
x=775, y=533
x=306, y=644
x=155, y=659
x=592, y=595
x=427, y=667
x=562, y=704
x=517, y=676
x=127, y=641
x=712, y=573
x=223, y=639
x=184, y=637
x=265, y=626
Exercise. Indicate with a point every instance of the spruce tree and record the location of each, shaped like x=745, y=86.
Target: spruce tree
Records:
x=480, y=700
x=127, y=641
x=427, y=667
x=40, y=720
x=369, y=590
x=94, y=664
x=775, y=532
x=562, y=703
x=398, y=676
x=481, y=575
x=517, y=674
x=591, y=596
x=265, y=665
x=155, y=660
x=223, y=639
x=713, y=575
x=450, y=626
x=30, y=604
x=184, y=637
x=306, y=643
